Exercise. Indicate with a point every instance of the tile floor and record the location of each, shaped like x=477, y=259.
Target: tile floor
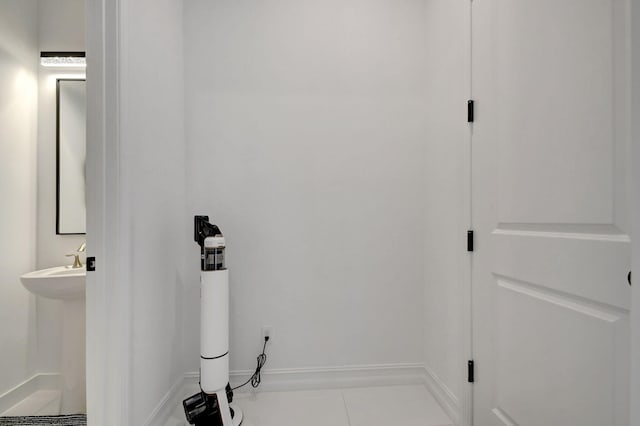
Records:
x=411, y=405
x=39, y=403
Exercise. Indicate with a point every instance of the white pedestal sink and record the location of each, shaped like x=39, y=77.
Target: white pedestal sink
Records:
x=66, y=284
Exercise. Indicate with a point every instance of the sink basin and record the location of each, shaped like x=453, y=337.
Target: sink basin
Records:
x=61, y=282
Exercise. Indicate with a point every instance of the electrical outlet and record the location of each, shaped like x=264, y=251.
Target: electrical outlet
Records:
x=266, y=332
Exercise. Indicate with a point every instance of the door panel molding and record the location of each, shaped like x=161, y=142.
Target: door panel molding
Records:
x=594, y=267
x=556, y=357
x=503, y=417
x=604, y=232
x=583, y=306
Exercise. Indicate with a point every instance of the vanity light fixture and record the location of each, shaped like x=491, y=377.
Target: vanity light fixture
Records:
x=63, y=59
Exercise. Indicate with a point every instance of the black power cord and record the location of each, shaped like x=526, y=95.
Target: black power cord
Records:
x=255, y=379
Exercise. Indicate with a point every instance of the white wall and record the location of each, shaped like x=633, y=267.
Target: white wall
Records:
x=152, y=179
x=61, y=25
x=447, y=146
x=306, y=136
x=60, y=28
x=18, y=129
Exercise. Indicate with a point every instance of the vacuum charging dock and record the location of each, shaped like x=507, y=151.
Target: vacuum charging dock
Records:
x=202, y=409
x=211, y=406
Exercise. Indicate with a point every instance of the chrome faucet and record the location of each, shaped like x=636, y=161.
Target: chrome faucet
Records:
x=77, y=264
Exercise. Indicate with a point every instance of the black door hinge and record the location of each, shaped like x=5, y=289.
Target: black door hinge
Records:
x=470, y=240
x=470, y=372
x=470, y=111
x=91, y=263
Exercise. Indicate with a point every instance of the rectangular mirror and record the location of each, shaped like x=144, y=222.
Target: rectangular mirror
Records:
x=71, y=153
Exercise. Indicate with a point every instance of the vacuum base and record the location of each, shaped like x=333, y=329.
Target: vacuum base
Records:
x=215, y=421
x=237, y=415
x=215, y=409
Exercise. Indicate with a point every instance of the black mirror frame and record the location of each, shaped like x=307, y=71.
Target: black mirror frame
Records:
x=58, y=80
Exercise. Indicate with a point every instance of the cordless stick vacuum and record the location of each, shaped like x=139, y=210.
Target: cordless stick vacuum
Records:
x=211, y=406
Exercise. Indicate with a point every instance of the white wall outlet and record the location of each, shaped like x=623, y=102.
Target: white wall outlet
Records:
x=266, y=332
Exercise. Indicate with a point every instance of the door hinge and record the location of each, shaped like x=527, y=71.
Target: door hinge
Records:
x=470, y=111
x=91, y=263
x=470, y=240
x=470, y=371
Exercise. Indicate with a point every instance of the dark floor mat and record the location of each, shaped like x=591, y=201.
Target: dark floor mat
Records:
x=67, y=420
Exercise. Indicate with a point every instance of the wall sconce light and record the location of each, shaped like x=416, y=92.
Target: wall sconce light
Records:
x=63, y=59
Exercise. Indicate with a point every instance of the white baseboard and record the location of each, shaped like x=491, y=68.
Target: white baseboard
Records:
x=40, y=381
x=167, y=404
x=291, y=379
x=442, y=394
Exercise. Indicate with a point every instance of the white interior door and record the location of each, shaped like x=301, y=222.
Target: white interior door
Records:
x=551, y=179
